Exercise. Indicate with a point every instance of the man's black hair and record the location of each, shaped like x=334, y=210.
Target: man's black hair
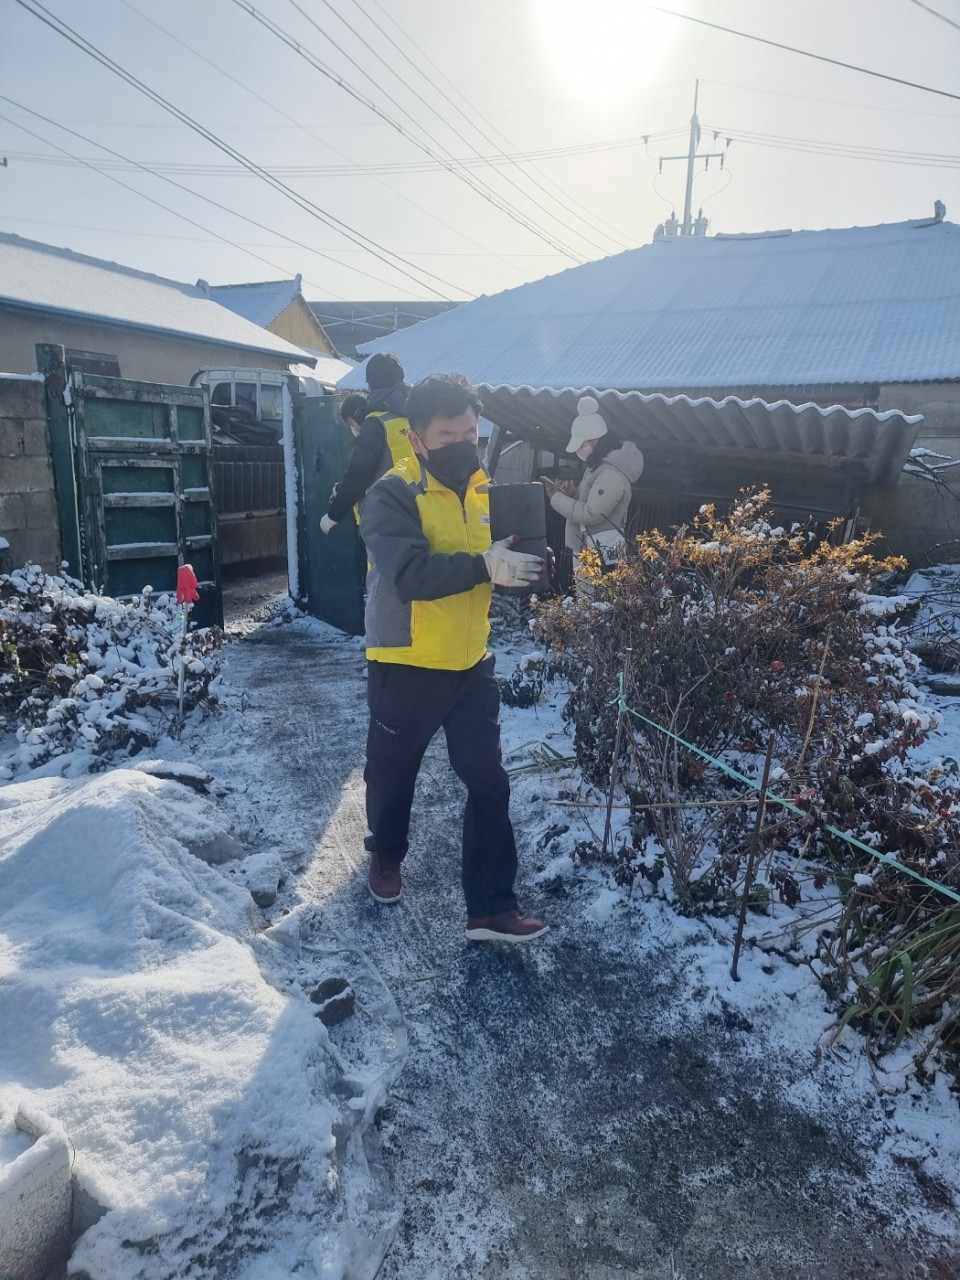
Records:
x=383, y=370
x=354, y=407
x=441, y=395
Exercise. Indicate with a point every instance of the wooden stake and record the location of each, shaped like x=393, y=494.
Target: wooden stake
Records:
x=816, y=698
x=752, y=859
x=616, y=755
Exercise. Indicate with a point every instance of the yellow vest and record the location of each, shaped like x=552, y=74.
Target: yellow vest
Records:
x=449, y=634
x=398, y=435
x=398, y=442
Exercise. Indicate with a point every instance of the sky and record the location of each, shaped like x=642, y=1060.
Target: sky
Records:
x=441, y=149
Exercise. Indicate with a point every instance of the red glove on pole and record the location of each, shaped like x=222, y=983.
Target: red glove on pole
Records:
x=187, y=592
x=187, y=595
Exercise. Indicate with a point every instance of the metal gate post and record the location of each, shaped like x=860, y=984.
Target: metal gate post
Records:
x=52, y=363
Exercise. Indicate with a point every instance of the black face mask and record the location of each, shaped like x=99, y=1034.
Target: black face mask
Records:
x=453, y=464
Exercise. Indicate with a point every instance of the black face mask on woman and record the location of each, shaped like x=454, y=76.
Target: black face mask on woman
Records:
x=453, y=464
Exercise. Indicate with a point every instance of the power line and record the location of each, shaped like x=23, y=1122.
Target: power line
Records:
x=591, y=219
x=349, y=170
x=315, y=62
x=367, y=124
x=805, y=53
x=834, y=102
x=159, y=203
x=550, y=237
x=215, y=238
x=452, y=127
x=937, y=14
x=308, y=206
x=853, y=151
x=320, y=253
x=430, y=213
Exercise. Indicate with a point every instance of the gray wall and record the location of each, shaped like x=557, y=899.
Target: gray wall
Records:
x=919, y=516
x=939, y=402
x=29, y=519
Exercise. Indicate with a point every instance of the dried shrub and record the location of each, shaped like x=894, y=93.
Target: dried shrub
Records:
x=736, y=629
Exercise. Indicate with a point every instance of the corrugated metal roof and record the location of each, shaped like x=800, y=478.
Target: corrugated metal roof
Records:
x=44, y=278
x=879, y=442
x=859, y=305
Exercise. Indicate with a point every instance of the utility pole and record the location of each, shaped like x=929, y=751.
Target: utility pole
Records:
x=687, y=227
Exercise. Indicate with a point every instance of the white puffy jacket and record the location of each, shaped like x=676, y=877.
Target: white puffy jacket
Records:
x=603, y=499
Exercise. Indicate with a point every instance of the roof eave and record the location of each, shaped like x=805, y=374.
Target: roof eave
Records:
x=296, y=356
x=542, y=415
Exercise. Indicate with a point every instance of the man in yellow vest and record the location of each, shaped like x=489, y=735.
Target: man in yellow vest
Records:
x=426, y=527
x=380, y=441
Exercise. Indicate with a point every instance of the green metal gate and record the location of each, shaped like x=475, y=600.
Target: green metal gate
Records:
x=143, y=470
x=331, y=566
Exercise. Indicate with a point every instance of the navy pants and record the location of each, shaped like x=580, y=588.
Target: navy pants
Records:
x=407, y=707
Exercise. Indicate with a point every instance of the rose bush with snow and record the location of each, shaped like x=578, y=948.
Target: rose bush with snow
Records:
x=737, y=629
x=90, y=676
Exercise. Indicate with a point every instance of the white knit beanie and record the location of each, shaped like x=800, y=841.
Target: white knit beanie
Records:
x=587, y=425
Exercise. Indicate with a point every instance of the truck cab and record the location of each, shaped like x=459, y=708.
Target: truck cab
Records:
x=246, y=413
x=247, y=404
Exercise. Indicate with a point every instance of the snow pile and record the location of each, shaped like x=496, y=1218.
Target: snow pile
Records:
x=86, y=677
x=136, y=1012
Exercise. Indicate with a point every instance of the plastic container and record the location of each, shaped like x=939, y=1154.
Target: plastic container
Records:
x=519, y=510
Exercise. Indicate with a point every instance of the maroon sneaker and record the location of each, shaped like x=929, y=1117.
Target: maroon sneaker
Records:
x=505, y=926
x=383, y=879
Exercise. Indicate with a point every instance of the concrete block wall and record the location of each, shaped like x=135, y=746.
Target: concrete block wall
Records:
x=918, y=519
x=939, y=402
x=35, y=1197
x=29, y=520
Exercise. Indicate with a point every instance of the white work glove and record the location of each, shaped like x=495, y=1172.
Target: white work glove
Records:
x=512, y=568
x=326, y=524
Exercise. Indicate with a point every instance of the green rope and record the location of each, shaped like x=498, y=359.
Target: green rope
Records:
x=621, y=703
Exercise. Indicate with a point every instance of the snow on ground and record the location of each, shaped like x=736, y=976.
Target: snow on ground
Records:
x=143, y=1008
x=606, y=1103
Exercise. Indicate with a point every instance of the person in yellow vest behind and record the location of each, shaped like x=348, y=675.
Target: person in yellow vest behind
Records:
x=380, y=440
x=426, y=527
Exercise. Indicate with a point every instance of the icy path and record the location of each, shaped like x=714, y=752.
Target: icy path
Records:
x=560, y=1115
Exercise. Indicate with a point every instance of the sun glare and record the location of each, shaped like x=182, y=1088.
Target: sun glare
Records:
x=602, y=46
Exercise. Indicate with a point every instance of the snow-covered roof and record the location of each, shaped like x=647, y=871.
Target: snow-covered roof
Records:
x=778, y=309
x=258, y=303
x=43, y=278
x=328, y=369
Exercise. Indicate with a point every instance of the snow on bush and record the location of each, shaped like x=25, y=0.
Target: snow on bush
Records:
x=86, y=674
x=524, y=688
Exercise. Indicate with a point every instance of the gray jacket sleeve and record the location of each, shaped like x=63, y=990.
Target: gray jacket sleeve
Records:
x=391, y=530
x=608, y=488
